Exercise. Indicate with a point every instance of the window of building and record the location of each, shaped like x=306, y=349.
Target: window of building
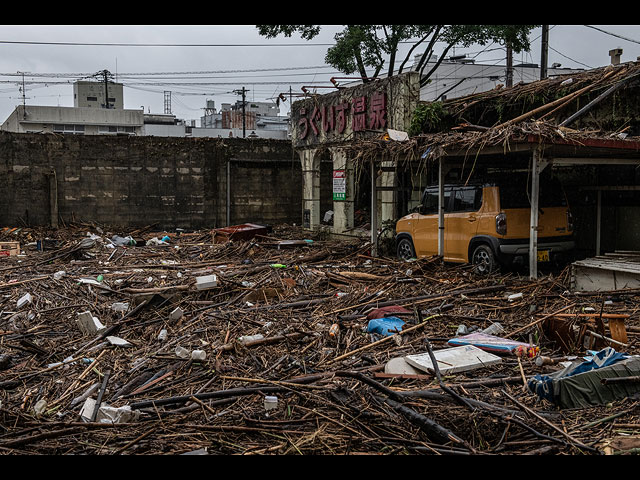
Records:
x=73, y=129
x=115, y=129
x=92, y=99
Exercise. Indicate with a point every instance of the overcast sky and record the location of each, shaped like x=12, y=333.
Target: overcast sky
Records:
x=231, y=57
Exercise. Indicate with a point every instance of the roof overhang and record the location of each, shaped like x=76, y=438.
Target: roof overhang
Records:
x=583, y=150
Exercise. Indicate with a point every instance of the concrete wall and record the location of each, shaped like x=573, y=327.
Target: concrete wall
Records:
x=138, y=181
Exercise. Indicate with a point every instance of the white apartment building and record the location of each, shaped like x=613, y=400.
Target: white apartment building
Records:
x=459, y=76
x=90, y=94
x=74, y=120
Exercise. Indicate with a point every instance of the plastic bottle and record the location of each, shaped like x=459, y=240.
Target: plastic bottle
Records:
x=182, y=352
x=198, y=355
x=334, y=330
x=40, y=407
x=514, y=297
x=250, y=338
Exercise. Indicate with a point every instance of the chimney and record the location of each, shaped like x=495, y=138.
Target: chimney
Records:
x=615, y=55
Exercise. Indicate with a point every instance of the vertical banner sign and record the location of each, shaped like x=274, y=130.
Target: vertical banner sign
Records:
x=339, y=185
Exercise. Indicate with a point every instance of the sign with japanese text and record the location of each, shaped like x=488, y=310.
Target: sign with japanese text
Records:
x=361, y=113
x=339, y=185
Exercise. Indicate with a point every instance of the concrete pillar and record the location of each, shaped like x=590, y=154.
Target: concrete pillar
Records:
x=343, y=209
x=374, y=209
x=441, y=175
x=387, y=194
x=310, y=188
x=538, y=163
x=53, y=198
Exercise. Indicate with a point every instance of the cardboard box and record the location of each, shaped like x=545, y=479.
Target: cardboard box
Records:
x=9, y=249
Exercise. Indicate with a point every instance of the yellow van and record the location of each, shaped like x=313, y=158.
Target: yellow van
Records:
x=488, y=226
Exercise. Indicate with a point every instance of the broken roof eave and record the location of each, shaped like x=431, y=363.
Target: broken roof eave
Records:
x=578, y=147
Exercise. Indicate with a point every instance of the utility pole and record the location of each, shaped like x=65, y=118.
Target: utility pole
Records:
x=24, y=97
x=167, y=102
x=509, y=76
x=244, y=120
x=105, y=74
x=544, y=57
x=24, y=103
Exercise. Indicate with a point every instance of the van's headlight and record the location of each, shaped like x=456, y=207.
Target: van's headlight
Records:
x=501, y=224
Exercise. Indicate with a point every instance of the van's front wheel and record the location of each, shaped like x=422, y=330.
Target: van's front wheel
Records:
x=405, y=249
x=484, y=260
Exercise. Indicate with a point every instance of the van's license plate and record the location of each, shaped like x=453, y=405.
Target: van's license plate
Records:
x=543, y=256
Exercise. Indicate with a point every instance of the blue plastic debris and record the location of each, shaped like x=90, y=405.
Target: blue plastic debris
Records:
x=385, y=326
x=580, y=383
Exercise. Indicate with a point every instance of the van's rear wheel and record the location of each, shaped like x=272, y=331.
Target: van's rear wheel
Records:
x=405, y=249
x=484, y=260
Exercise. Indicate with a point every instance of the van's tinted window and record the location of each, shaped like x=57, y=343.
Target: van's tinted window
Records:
x=467, y=199
x=517, y=195
x=430, y=201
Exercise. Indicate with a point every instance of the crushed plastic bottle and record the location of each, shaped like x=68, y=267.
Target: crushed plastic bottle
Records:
x=59, y=275
x=493, y=329
x=198, y=355
x=250, y=338
x=40, y=407
x=182, y=352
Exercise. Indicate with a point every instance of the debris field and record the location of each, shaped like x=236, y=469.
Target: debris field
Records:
x=145, y=342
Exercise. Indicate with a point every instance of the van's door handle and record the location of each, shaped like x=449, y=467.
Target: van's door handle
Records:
x=471, y=219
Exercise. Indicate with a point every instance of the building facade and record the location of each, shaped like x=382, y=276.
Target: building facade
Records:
x=90, y=94
x=74, y=120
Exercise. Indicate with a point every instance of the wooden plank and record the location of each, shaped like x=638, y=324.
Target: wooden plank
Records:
x=618, y=330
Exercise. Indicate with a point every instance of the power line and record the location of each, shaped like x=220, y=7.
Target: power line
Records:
x=569, y=58
x=83, y=44
x=613, y=34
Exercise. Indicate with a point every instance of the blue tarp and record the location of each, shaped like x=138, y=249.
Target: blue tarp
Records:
x=543, y=385
x=385, y=326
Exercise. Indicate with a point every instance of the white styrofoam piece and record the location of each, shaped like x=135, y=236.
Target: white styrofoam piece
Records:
x=120, y=306
x=208, y=281
x=399, y=366
x=26, y=298
x=86, y=413
x=453, y=360
x=176, y=314
x=118, y=342
x=88, y=324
